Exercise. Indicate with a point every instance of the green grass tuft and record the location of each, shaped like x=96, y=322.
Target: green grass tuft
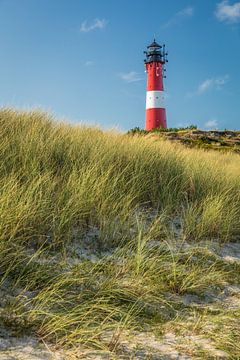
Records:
x=132, y=206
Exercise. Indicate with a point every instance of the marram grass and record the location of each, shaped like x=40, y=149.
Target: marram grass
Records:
x=59, y=181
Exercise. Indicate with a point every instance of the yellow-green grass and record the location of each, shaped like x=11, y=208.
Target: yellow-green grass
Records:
x=57, y=181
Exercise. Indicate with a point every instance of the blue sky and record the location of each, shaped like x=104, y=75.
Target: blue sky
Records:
x=83, y=60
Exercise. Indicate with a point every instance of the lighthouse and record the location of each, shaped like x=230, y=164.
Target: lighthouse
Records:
x=156, y=57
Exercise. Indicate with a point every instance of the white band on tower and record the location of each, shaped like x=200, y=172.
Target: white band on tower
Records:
x=155, y=99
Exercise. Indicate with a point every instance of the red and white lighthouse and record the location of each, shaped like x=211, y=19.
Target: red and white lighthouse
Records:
x=155, y=108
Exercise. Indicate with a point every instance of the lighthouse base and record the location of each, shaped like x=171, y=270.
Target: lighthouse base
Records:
x=156, y=118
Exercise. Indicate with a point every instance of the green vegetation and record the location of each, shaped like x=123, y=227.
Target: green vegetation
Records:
x=224, y=141
x=101, y=232
x=139, y=131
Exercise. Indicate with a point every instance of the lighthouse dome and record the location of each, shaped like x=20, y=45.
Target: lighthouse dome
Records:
x=155, y=53
x=154, y=44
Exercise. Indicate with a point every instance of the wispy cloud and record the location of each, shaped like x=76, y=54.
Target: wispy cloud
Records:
x=214, y=83
x=87, y=26
x=211, y=124
x=185, y=13
x=131, y=76
x=89, y=63
x=228, y=13
x=205, y=85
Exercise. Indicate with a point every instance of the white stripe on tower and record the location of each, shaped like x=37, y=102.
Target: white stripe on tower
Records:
x=155, y=99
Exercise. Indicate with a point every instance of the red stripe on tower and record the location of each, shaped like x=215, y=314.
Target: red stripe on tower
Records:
x=155, y=108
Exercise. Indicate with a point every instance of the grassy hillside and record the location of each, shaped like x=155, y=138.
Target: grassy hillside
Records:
x=105, y=237
x=219, y=140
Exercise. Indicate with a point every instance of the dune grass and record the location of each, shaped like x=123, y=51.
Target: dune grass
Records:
x=58, y=182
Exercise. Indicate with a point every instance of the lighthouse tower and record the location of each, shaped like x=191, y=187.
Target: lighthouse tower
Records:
x=156, y=57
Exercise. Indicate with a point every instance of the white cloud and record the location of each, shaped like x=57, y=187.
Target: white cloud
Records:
x=227, y=12
x=212, y=83
x=211, y=124
x=205, y=85
x=131, y=76
x=187, y=12
x=95, y=24
x=89, y=63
